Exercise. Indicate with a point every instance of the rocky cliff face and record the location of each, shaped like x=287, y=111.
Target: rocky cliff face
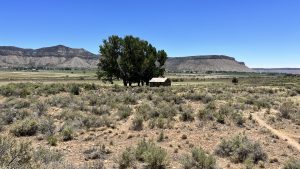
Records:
x=64, y=57
x=53, y=57
x=205, y=63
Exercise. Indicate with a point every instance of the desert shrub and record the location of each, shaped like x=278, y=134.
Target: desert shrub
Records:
x=263, y=103
x=27, y=127
x=129, y=99
x=154, y=156
x=238, y=118
x=186, y=113
x=286, y=109
x=1, y=125
x=146, y=111
x=240, y=149
x=161, y=136
x=194, y=96
x=88, y=86
x=101, y=110
x=220, y=118
x=126, y=159
x=41, y=108
x=226, y=110
x=92, y=121
x=166, y=110
x=61, y=101
x=17, y=89
x=106, y=121
x=75, y=89
x=52, y=140
x=14, y=154
x=9, y=116
x=18, y=103
x=161, y=123
x=235, y=80
x=72, y=116
x=46, y=126
x=124, y=112
x=292, y=164
x=137, y=123
x=51, y=89
x=67, y=133
x=92, y=99
x=47, y=156
x=207, y=98
x=206, y=114
x=96, y=152
x=198, y=160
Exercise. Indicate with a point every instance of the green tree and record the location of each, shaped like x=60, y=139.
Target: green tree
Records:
x=131, y=59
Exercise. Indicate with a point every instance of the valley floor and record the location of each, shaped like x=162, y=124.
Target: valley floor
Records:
x=254, y=124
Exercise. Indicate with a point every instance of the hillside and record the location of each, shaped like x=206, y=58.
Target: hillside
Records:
x=205, y=63
x=64, y=57
x=50, y=57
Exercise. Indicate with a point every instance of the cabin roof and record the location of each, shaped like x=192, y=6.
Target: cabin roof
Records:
x=158, y=80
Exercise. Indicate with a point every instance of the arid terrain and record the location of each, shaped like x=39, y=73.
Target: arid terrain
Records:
x=208, y=123
x=61, y=57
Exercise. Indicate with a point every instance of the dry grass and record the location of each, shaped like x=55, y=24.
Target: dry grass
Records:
x=102, y=125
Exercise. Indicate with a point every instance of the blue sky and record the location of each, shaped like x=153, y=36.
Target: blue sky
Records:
x=262, y=33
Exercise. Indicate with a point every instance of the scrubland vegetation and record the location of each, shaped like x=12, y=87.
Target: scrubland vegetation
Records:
x=205, y=126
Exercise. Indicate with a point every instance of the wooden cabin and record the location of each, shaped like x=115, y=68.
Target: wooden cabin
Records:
x=159, y=81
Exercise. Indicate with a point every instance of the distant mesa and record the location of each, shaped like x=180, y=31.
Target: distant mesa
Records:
x=205, y=63
x=65, y=57
x=49, y=57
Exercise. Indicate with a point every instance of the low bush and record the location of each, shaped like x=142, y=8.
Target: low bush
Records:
x=47, y=127
x=166, y=110
x=17, y=89
x=47, y=156
x=96, y=152
x=206, y=114
x=186, y=113
x=52, y=140
x=240, y=149
x=207, y=98
x=129, y=99
x=67, y=133
x=14, y=154
x=124, y=112
x=137, y=123
x=27, y=127
x=126, y=159
x=145, y=151
x=154, y=156
x=101, y=110
x=41, y=108
x=146, y=110
x=292, y=164
x=286, y=109
x=93, y=121
x=238, y=118
x=75, y=89
x=198, y=160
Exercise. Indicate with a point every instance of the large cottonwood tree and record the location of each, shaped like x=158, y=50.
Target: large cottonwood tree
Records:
x=131, y=59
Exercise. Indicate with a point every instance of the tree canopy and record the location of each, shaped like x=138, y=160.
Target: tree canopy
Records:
x=131, y=59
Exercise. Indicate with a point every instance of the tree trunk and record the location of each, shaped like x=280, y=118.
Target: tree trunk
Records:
x=147, y=83
x=130, y=83
x=124, y=82
x=143, y=83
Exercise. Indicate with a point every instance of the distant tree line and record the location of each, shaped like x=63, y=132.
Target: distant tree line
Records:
x=131, y=59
